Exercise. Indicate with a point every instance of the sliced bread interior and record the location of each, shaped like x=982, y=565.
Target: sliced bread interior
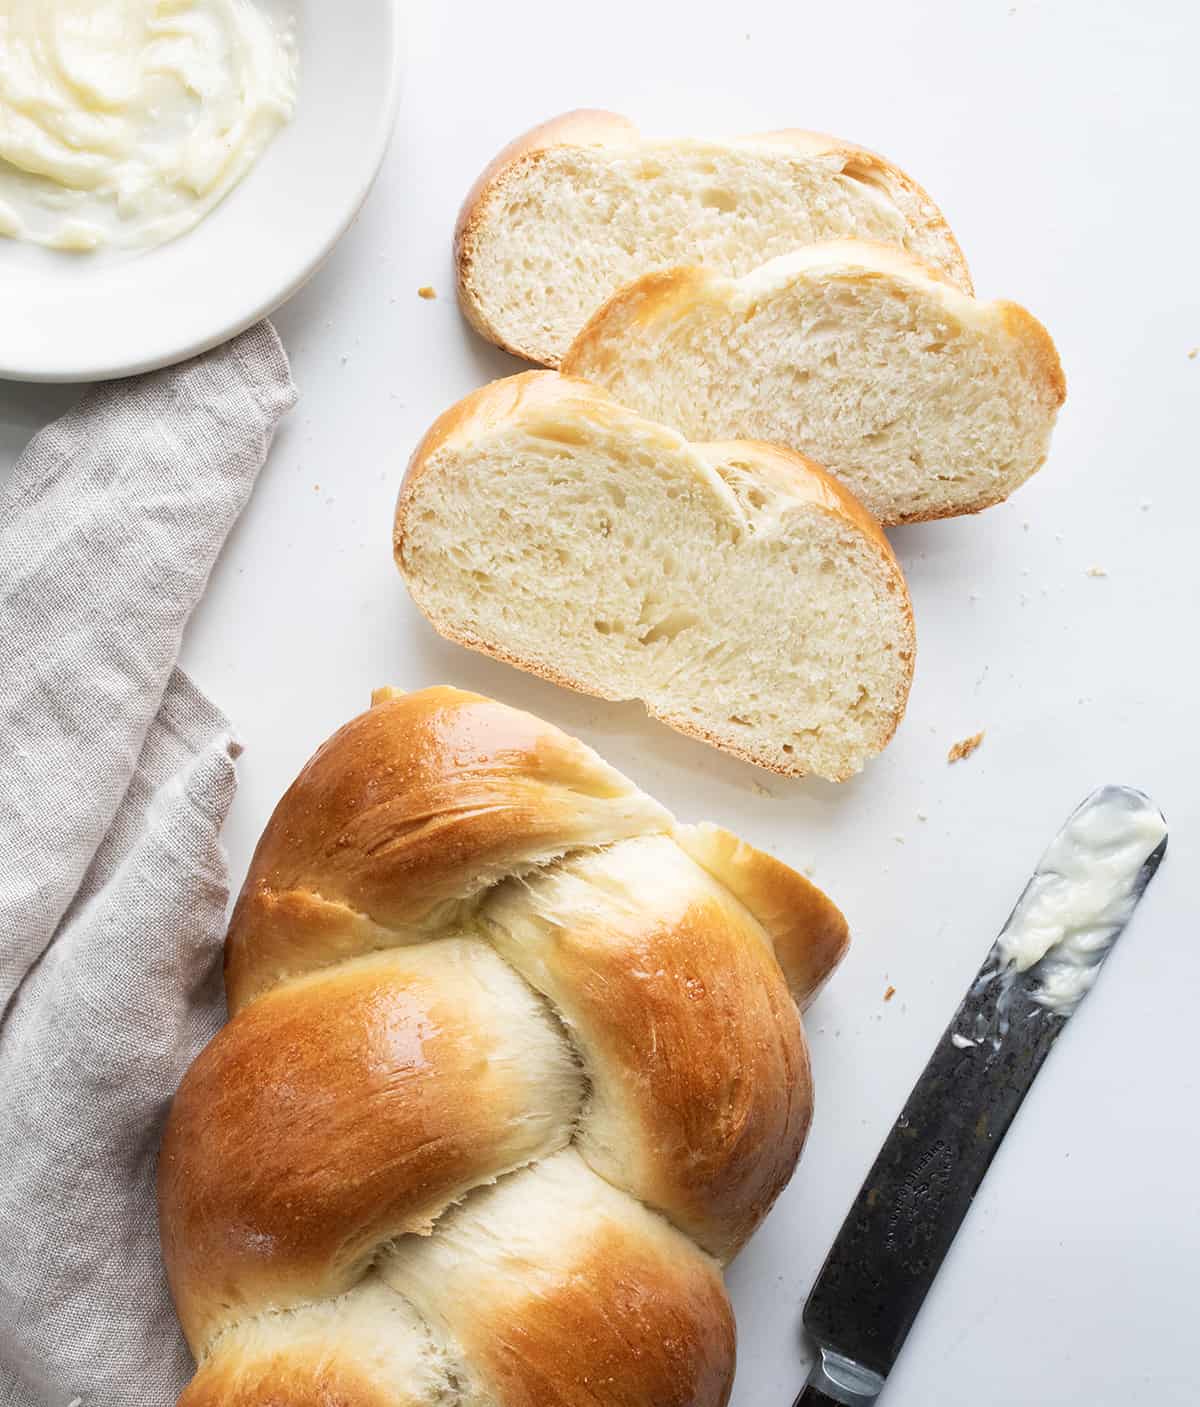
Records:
x=583, y=204
x=924, y=401
x=738, y=591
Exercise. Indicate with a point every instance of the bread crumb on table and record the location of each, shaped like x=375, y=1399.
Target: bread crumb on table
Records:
x=1193, y=354
x=964, y=748
x=1096, y=571
x=889, y=994
x=427, y=290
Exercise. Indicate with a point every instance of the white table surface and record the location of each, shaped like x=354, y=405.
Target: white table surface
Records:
x=1059, y=138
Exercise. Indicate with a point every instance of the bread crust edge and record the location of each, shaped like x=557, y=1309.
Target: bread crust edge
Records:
x=579, y=127
x=932, y=217
x=600, y=128
x=504, y=398
x=653, y=293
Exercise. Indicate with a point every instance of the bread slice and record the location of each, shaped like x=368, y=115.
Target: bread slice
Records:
x=923, y=401
x=583, y=204
x=735, y=589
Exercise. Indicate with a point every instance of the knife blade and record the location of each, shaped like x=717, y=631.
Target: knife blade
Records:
x=901, y=1225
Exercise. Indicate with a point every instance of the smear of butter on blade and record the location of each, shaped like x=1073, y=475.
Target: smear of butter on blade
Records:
x=1081, y=895
x=124, y=122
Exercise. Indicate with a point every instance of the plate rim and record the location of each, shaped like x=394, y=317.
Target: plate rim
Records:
x=277, y=296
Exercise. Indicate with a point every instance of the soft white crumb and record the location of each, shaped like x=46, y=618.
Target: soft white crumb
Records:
x=1096, y=571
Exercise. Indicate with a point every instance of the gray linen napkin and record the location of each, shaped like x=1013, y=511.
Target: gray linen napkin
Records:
x=115, y=776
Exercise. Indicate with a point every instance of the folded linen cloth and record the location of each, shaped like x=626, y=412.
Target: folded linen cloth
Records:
x=115, y=776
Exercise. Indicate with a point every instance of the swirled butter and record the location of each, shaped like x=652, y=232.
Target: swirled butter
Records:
x=1081, y=895
x=124, y=122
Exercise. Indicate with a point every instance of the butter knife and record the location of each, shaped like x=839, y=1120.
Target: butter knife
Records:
x=906, y=1215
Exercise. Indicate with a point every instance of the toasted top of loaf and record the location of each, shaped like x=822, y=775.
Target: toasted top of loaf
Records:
x=744, y=596
x=577, y=207
x=924, y=401
x=512, y=1069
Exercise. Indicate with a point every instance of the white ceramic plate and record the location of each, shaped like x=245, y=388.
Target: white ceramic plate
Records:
x=71, y=317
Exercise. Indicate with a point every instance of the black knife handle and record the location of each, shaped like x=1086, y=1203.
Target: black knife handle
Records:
x=813, y=1397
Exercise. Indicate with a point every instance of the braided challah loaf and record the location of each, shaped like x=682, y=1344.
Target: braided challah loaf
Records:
x=514, y=1065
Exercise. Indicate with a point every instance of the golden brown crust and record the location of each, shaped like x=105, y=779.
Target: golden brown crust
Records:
x=809, y=931
x=582, y=127
x=417, y=804
x=316, y=1376
x=1027, y=329
x=1047, y=367
x=653, y=966
x=368, y=1348
x=487, y=405
x=599, y=128
x=655, y=1007
x=336, y=1113
x=658, y=298
x=339, y=1114
x=546, y=398
x=529, y=397
x=653, y=298
x=864, y=163
x=625, y=1327
x=592, y=127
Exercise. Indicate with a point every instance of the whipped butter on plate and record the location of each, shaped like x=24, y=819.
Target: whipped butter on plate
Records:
x=124, y=122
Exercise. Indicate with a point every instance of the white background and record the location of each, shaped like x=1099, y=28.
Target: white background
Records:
x=1060, y=139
